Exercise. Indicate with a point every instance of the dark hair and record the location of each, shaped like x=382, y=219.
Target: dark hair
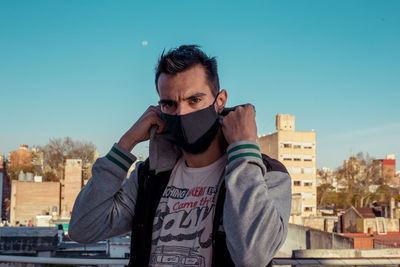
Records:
x=183, y=58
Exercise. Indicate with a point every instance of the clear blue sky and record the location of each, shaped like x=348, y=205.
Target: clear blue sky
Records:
x=80, y=69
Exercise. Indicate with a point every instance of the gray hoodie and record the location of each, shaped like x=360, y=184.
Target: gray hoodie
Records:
x=256, y=208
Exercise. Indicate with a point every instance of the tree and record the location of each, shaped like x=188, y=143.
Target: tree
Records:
x=14, y=170
x=50, y=176
x=323, y=191
x=385, y=193
x=358, y=175
x=325, y=186
x=58, y=150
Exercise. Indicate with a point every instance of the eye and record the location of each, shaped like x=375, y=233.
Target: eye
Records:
x=167, y=106
x=194, y=100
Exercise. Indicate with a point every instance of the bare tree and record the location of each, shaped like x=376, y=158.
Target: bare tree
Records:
x=358, y=175
x=60, y=149
x=324, y=188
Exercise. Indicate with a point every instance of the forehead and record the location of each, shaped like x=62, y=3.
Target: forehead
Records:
x=183, y=84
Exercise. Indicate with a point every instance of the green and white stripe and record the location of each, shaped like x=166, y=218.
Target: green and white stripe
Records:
x=243, y=150
x=119, y=158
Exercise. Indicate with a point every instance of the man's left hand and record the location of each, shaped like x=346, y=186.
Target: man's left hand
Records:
x=240, y=124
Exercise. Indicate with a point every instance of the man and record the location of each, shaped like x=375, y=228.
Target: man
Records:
x=206, y=196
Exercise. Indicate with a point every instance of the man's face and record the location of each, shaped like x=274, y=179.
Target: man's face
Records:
x=184, y=92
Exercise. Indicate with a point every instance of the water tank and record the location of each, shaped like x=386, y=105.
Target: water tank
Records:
x=29, y=177
x=21, y=176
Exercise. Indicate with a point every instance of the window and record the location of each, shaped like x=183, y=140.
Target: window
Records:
x=297, y=183
x=307, y=208
x=289, y=159
x=307, y=158
x=309, y=170
x=293, y=169
x=297, y=146
x=308, y=145
x=297, y=159
x=307, y=196
x=307, y=184
x=287, y=145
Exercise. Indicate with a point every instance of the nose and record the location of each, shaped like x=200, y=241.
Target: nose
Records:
x=182, y=109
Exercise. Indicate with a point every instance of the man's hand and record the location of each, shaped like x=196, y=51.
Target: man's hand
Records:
x=240, y=124
x=140, y=131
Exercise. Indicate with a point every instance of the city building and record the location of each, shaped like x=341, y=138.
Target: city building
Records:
x=30, y=199
x=382, y=217
x=35, y=202
x=297, y=151
x=5, y=189
x=71, y=185
x=388, y=169
x=20, y=157
x=2, y=177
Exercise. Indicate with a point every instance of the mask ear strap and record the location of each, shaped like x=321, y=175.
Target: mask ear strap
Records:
x=215, y=99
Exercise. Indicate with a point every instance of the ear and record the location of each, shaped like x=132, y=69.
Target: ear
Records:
x=221, y=100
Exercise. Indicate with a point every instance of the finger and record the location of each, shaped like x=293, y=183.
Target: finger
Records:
x=250, y=108
x=161, y=129
x=161, y=126
x=157, y=110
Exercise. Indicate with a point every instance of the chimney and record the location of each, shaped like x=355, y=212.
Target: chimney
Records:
x=23, y=147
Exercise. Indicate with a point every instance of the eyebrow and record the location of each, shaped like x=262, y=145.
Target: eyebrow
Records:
x=193, y=96
x=170, y=101
x=167, y=101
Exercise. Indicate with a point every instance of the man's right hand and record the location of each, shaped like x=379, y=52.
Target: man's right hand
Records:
x=140, y=131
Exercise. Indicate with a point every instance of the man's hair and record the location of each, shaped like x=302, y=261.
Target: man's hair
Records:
x=183, y=58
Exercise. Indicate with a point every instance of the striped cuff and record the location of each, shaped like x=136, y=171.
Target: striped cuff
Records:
x=243, y=149
x=121, y=157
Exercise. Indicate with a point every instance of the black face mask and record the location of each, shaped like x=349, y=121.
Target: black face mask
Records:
x=195, y=131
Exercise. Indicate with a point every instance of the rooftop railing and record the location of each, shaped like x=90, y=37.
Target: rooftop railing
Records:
x=275, y=261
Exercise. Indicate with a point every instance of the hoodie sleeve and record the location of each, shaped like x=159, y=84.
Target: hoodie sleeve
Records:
x=105, y=206
x=257, y=205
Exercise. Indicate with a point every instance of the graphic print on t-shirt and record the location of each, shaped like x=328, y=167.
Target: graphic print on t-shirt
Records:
x=182, y=229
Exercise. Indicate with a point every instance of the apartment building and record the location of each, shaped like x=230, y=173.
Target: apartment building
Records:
x=388, y=169
x=297, y=151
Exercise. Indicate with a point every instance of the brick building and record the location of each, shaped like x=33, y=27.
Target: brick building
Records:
x=71, y=185
x=30, y=199
x=388, y=169
x=20, y=157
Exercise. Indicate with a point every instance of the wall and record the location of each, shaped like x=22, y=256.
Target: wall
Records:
x=29, y=199
x=330, y=224
x=316, y=223
x=72, y=184
x=300, y=237
x=363, y=242
x=392, y=225
x=269, y=145
x=326, y=224
x=323, y=240
x=349, y=221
